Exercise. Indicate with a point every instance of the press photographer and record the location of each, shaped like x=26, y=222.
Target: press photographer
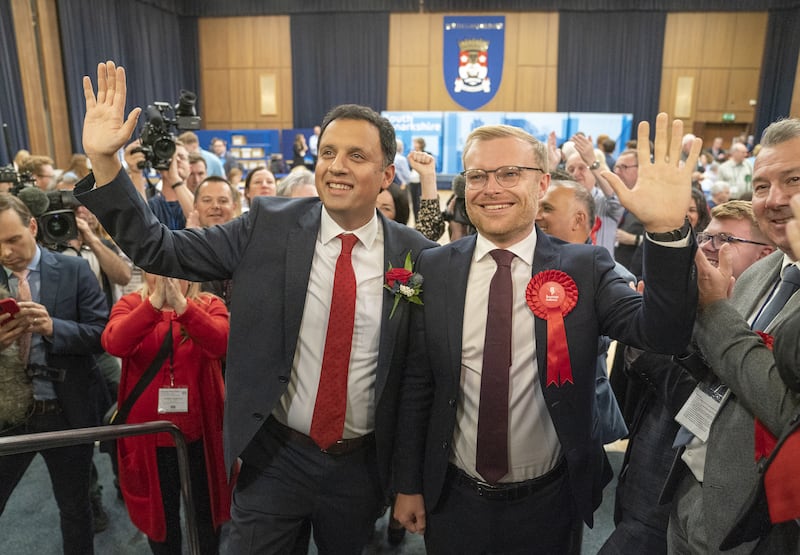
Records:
x=170, y=199
x=57, y=330
x=53, y=210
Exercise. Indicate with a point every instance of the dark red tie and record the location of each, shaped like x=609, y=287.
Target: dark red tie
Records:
x=492, y=449
x=327, y=423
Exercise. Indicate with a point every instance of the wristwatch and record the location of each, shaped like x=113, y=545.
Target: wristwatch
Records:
x=595, y=165
x=674, y=235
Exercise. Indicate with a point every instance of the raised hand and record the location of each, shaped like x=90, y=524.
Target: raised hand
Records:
x=157, y=298
x=105, y=128
x=174, y=295
x=422, y=162
x=714, y=283
x=663, y=192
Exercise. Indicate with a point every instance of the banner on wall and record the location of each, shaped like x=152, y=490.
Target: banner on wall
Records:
x=473, y=58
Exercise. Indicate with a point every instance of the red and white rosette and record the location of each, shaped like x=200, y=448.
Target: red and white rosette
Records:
x=551, y=295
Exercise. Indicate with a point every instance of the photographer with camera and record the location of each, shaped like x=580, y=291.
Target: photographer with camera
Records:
x=173, y=203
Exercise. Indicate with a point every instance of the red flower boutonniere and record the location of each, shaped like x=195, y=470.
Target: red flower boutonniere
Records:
x=404, y=283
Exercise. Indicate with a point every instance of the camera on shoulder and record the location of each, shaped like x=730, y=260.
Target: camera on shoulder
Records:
x=161, y=123
x=53, y=210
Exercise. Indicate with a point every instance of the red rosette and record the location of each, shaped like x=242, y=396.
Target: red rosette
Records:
x=551, y=295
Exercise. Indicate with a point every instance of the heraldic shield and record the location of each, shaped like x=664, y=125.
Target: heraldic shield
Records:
x=473, y=58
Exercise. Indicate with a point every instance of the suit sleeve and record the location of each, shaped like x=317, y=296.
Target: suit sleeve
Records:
x=742, y=361
x=416, y=400
x=661, y=320
x=192, y=254
x=80, y=336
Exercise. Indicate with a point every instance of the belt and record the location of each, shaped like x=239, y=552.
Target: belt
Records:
x=44, y=406
x=341, y=447
x=506, y=491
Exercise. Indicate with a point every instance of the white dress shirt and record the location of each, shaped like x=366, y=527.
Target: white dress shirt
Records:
x=534, y=448
x=296, y=407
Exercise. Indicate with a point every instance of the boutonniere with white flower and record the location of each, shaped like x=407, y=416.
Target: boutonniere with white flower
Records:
x=404, y=283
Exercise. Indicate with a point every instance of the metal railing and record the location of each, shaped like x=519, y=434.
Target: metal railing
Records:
x=26, y=443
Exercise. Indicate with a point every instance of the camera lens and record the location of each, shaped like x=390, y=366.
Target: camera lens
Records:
x=57, y=225
x=164, y=148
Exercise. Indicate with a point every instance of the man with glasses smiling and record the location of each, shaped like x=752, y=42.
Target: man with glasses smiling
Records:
x=497, y=451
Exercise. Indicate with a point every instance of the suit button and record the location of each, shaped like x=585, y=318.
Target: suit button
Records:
x=258, y=416
x=452, y=402
x=283, y=379
x=445, y=445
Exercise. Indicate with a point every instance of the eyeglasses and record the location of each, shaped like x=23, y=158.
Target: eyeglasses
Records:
x=506, y=176
x=623, y=167
x=720, y=238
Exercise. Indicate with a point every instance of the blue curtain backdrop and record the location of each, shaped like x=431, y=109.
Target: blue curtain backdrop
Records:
x=338, y=58
x=157, y=48
x=12, y=103
x=778, y=68
x=610, y=62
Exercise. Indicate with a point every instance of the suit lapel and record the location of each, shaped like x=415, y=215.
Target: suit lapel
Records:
x=545, y=257
x=394, y=254
x=48, y=286
x=455, y=297
x=300, y=245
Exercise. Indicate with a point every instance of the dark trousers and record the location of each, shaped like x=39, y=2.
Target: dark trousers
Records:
x=69, y=469
x=297, y=483
x=466, y=523
x=169, y=479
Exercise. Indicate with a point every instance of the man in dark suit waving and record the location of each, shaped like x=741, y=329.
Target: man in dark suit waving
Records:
x=496, y=438
x=314, y=429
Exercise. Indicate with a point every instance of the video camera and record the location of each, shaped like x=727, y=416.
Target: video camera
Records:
x=53, y=210
x=162, y=119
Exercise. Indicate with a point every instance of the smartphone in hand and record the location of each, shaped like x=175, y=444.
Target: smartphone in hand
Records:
x=8, y=306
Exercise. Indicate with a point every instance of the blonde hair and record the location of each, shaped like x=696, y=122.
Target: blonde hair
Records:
x=489, y=132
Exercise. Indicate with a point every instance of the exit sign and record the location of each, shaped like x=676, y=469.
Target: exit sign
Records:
x=729, y=116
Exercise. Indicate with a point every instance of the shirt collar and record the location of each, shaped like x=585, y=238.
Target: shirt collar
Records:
x=366, y=234
x=523, y=249
x=33, y=265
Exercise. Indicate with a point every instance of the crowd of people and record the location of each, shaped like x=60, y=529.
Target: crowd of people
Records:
x=325, y=360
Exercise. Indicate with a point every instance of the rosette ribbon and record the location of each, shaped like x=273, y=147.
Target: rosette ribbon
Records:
x=551, y=295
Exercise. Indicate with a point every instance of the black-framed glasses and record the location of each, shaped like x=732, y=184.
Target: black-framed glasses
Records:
x=623, y=167
x=506, y=176
x=718, y=239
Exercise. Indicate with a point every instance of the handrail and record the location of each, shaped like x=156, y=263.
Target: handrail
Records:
x=26, y=443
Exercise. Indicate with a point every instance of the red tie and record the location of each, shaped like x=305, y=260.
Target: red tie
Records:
x=327, y=423
x=492, y=448
x=24, y=294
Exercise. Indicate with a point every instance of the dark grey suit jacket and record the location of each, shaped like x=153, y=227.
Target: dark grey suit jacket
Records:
x=605, y=306
x=268, y=254
x=740, y=359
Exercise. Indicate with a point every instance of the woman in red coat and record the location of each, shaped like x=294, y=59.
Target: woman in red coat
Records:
x=188, y=391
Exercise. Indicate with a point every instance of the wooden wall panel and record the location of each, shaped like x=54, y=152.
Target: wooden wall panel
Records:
x=794, y=111
x=29, y=75
x=60, y=146
x=723, y=52
x=234, y=53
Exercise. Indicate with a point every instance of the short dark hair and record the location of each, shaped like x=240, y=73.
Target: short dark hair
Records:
x=217, y=179
x=365, y=113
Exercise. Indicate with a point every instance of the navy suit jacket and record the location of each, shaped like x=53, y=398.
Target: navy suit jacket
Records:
x=71, y=293
x=660, y=320
x=268, y=254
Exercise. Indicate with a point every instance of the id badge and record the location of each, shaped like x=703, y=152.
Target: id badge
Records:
x=173, y=399
x=699, y=411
